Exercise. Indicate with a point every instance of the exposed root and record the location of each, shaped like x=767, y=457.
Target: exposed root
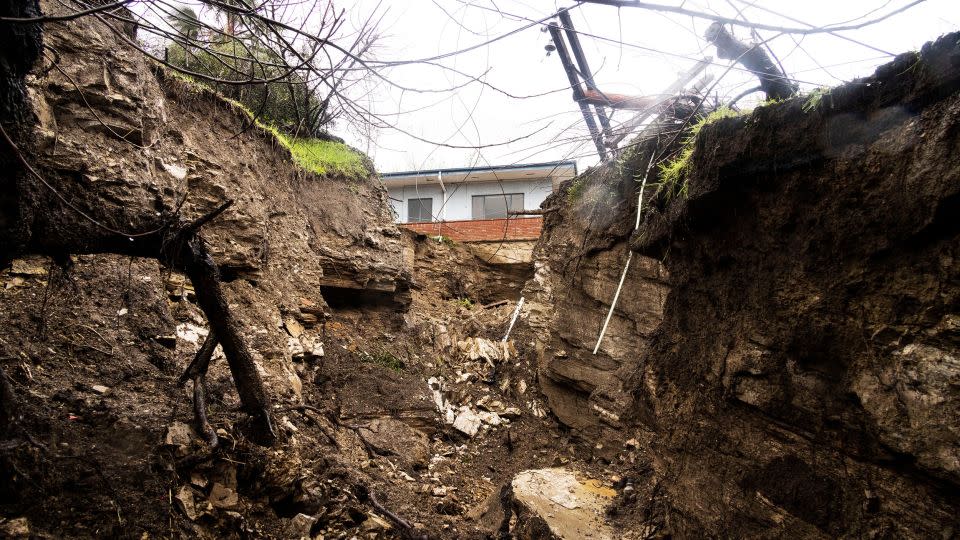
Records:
x=406, y=528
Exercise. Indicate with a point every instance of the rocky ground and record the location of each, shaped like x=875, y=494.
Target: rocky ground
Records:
x=782, y=361
x=426, y=410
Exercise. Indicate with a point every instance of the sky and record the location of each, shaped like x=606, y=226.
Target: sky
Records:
x=630, y=50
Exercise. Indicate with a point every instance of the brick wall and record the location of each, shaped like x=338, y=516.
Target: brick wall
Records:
x=482, y=229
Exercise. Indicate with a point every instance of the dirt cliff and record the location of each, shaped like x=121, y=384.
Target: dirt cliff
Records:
x=782, y=361
x=796, y=374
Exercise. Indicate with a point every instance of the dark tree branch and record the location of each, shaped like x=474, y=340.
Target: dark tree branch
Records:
x=772, y=80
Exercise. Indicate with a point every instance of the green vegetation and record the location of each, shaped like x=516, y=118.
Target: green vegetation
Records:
x=575, y=191
x=384, y=358
x=815, y=98
x=672, y=171
x=325, y=157
x=320, y=156
x=464, y=302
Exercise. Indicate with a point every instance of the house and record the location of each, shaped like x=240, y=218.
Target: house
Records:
x=476, y=204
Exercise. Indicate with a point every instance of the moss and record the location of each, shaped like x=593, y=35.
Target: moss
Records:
x=326, y=157
x=575, y=191
x=384, y=358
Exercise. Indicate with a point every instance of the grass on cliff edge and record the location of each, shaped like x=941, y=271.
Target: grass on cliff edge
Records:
x=672, y=171
x=318, y=156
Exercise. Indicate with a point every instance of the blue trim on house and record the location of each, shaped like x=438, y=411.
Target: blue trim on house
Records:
x=468, y=170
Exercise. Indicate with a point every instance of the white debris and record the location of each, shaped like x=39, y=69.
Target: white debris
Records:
x=191, y=333
x=467, y=422
x=174, y=170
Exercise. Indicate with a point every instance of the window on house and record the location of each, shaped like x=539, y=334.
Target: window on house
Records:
x=496, y=206
x=419, y=210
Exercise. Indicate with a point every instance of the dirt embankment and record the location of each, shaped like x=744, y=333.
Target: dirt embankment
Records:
x=381, y=359
x=803, y=379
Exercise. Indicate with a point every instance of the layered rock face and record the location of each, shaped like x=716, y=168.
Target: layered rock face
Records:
x=803, y=379
x=112, y=132
x=578, y=265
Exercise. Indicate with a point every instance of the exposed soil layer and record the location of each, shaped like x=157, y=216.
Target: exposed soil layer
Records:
x=98, y=437
x=803, y=381
x=782, y=362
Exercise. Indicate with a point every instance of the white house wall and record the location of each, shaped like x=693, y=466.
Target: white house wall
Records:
x=460, y=196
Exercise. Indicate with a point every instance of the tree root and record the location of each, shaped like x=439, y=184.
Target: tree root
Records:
x=406, y=528
x=197, y=372
x=70, y=229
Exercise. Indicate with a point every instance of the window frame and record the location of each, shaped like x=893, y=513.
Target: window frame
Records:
x=509, y=205
x=419, y=200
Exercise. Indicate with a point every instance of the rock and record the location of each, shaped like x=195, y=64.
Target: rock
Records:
x=198, y=480
x=174, y=170
x=299, y=526
x=294, y=328
x=185, y=502
x=511, y=413
x=100, y=389
x=191, y=332
x=375, y=523
x=180, y=436
x=394, y=437
x=467, y=422
x=296, y=349
x=223, y=497
x=22, y=267
x=317, y=350
x=15, y=528
x=481, y=349
x=554, y=503
x=490, y=418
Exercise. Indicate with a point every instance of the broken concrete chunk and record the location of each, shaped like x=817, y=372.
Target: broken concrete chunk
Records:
x=467, y=422
x=568, y=506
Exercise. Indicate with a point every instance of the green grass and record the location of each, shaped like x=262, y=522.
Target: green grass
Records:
x=814, y=99
x=315, y=155
x=326, y=157
x=672, y=171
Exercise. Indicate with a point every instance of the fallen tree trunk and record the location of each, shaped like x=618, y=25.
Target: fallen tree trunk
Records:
x=49, y=216
x=773, y=81
x=66, y=229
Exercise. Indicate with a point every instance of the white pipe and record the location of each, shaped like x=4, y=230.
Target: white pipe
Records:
x=626, y=267
x=614, y=304
x=513, y=319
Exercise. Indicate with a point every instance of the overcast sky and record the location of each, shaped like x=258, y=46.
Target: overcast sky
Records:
x=656, y=47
